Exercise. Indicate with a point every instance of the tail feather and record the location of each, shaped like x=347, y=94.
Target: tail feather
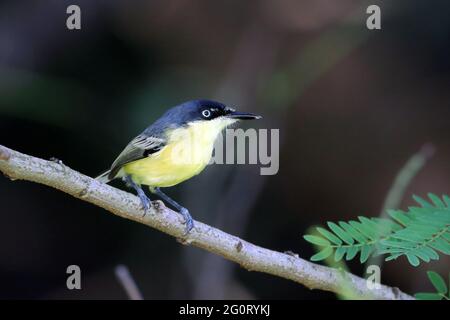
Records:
x=104, y=177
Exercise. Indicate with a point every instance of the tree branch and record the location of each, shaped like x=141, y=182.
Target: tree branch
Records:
x=16, y=165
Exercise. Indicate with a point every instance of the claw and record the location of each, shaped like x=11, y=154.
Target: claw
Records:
x=183, y=211
x=145, y=203
x=189, y=222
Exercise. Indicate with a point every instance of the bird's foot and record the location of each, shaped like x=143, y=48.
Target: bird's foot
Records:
x=188, y=221
x=145, y=203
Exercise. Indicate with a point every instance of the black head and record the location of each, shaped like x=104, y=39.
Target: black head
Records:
x=209, y=110
x=197, y=110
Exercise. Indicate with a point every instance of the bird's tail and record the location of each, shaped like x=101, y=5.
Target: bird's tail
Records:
x=104, y=177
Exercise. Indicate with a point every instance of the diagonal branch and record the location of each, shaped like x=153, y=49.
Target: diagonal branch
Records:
x=17, y=165
x=128, y=283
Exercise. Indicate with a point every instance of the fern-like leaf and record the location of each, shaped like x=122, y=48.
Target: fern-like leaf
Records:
x=420, y=234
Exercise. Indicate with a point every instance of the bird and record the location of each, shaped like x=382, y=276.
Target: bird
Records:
x=176, y=147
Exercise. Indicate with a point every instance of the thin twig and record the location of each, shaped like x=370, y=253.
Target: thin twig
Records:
x=126, y=280
x=126, y=205
x=405, y=176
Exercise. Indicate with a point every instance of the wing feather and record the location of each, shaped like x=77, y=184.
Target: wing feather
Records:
x=140, y=147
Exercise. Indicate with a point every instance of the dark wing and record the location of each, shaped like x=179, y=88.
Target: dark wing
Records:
x=140, y=147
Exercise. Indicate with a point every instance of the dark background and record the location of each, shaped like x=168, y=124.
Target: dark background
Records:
x=352, y=106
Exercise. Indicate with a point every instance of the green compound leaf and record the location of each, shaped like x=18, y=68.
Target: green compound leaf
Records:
x=419, y=234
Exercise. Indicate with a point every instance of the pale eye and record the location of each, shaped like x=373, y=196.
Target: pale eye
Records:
x=206, y=113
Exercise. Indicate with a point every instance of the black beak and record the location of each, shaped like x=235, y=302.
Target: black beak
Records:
x=243, y=115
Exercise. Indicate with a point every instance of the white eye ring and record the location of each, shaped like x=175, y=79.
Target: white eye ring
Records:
x=206, y=113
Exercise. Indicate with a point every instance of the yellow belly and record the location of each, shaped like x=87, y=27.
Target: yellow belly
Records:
x=188, y=152
x=163, y=169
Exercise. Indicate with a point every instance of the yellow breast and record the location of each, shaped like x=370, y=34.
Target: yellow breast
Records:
x=186, y=154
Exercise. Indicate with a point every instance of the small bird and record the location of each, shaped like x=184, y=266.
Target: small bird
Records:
x=173, y=149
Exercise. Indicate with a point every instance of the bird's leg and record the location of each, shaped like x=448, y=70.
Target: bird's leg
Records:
x=182, y=210
x=145, y=201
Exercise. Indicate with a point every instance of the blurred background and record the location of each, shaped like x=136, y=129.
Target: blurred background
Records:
x=352, y=105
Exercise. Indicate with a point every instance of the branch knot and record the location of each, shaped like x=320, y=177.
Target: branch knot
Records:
x=5, y=155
